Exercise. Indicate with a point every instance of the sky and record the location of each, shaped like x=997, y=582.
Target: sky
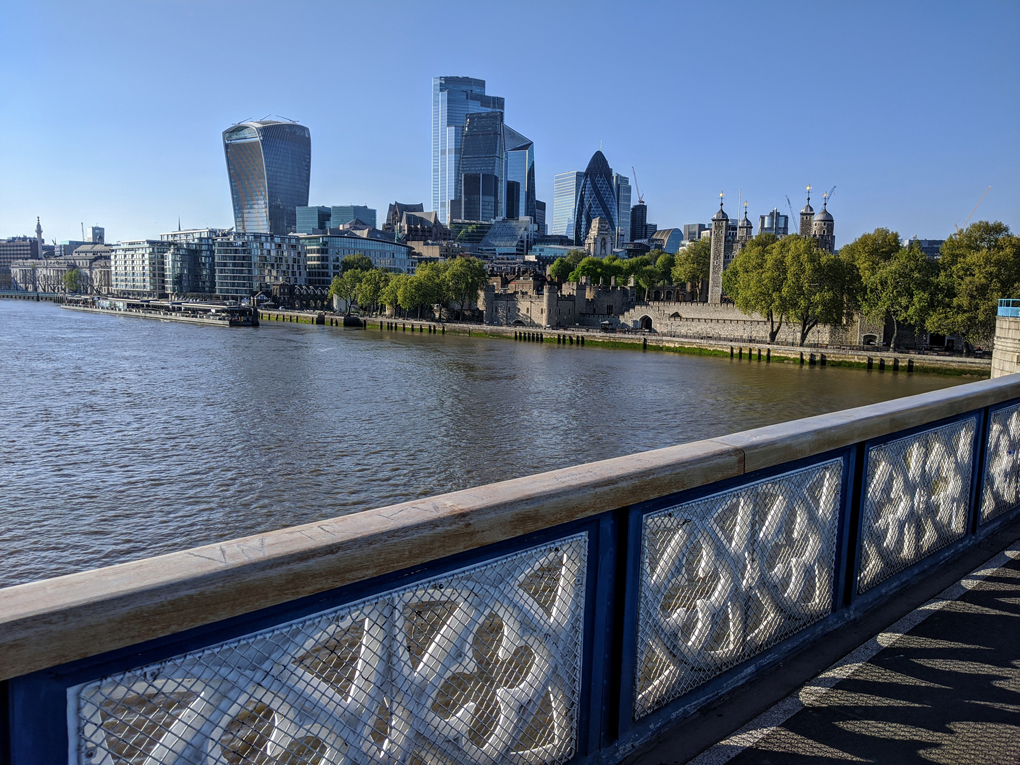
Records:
x=111, y=113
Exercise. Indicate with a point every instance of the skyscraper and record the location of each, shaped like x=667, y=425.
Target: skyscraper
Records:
x=638, y=219
x=565, y=188
x=596, y=198
x=621, y=186
x=269, y=167
x=453, y=98
x=497, y=171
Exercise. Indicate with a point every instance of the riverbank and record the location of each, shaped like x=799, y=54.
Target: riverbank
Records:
x=751, y=352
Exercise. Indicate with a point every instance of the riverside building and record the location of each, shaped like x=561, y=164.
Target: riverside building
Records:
x=138, y=267
x=325, y=252
x=269, y=167
x=190, y=264
x=248, y=263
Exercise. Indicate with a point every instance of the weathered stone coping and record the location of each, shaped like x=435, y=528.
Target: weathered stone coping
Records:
x=46, y=623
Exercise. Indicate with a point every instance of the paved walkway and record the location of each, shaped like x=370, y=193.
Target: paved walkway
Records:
x=941, y=685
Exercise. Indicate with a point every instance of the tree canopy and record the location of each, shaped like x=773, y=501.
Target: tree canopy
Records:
x=72, y=280
x=755, y=281
x=356, y=262
x=691, y=264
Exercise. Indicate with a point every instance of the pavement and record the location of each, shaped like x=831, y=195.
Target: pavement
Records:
x=939, y=685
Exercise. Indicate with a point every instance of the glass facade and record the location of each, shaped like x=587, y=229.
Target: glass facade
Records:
x=324, y=253
x=453, y=99
x=342, y=214
x=311, y=218
x=138, y=267
x=638, y=220
x=250, y=262
x=621, y=185
x=269, y=167
x=596, y=198
x=520, y=172
x=190, y=264
x=774, y=223
x=565, y=188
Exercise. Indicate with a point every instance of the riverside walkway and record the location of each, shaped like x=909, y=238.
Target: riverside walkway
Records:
x=637, y=609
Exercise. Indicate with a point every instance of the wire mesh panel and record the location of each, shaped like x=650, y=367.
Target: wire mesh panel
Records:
x=1002, y=465
x=725, y=577
x=481, y=665
x=916, y=501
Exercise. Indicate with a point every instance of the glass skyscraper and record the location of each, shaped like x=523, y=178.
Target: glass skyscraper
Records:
x=497, y=171
x=453, y=98
x=596, y=198
x=269, y=166
x=565, y=188
x=621, y=185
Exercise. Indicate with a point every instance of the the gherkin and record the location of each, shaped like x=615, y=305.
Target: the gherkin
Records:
x=595, y=198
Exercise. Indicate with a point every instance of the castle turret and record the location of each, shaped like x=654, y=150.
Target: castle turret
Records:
x=824, y=228
x=720, y=222
x=745, y=231
x=807, y=216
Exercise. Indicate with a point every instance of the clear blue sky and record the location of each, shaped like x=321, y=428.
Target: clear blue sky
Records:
x=112, y=111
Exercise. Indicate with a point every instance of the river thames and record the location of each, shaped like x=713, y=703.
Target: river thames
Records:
x=125, y=438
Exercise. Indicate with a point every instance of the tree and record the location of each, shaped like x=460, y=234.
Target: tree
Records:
x=465, y=278
x=755, y=281
x=345, y=286
x=664, y=262
x=979, y=266
x=560, y=270
x=816, y=287
x=356, y=262
x=903, y=289
x=371, y=287
x=414, y=292
x=691, y=264
x=590, y=267
x=867, y=254
x=390, y=294
x=574, y=257
x=647, y=276
x=72, y=280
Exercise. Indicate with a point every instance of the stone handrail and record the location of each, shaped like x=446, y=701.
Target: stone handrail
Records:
x=58, y=620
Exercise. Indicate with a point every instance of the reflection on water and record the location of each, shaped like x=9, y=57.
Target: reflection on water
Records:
x=125, y=438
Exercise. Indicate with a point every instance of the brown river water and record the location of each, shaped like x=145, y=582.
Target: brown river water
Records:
x=122, y=438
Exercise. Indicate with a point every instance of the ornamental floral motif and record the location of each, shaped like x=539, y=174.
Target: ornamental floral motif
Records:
x=479, y=666
x=1002, y=466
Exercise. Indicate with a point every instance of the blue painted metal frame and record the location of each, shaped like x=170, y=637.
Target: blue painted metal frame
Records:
x=984, y=529
x=861, y=602
x=632, y=732
x=37, y=703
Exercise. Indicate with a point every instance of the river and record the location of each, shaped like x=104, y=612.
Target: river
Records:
x=124, y=438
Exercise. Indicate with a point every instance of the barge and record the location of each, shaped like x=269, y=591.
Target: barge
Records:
x=216, y=314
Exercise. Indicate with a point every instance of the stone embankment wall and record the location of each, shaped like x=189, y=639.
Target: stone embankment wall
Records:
x=1006, y=356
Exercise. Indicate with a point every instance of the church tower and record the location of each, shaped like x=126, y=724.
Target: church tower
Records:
x=744, y=233
x=807, y=216
x=720, y=222
x=824, y=229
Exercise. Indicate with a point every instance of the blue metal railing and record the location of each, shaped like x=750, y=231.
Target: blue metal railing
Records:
x=1009, y=307
x=570, y=644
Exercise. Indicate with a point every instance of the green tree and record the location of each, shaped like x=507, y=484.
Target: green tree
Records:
x=434, y=283
x=465, y=278
x=816, y=285
x=755, y=281
x=665, y=263
x=646, y=277
x=345, y=287
x=72, y=280
x=903, y=288
x=560, y=270
x=590, y=267
x=414, y=293
x=390, y=294
x=356, y=262
x=574, y=257
x=979, y=266
x=691, y=264
x=867, y=254
x=371, y=288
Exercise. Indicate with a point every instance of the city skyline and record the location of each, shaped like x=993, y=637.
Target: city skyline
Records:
x=875, y=114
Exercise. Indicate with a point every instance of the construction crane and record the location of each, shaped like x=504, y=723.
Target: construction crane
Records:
x=640, y=196
x=828, y=197
x=958, y=232
x=789, y=205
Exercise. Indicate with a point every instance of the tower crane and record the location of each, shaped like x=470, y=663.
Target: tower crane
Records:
x=640, y=196
x=828, y=197
x=958, y=232
x=789, y=205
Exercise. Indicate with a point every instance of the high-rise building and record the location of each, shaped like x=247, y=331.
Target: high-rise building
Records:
x=565, y=188
x=314, y=218
x=269, y=166
x=189, y=266
x=540, y=217
x=774, y=223
x=247, y=263
x=138, y=267
x=621, y=186
x=453, y=99
x=638, y=221
x=497, y=171
x=519, y=174
x=694, y=231
x=342, y=214
x=596, y=198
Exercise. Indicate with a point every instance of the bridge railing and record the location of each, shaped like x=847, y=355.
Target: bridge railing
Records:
x=1009, y=307
x=561, y=617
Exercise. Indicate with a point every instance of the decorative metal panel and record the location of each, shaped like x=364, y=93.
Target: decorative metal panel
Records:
x=1002, y=466
x=725, y=577
x=481, y=665
x=917, y=499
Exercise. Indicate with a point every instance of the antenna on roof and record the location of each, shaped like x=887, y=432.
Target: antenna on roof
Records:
x=286, y=118
x=265, y=118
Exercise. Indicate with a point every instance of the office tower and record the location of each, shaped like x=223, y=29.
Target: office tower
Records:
x=311, y=218
x=565, y=188
x=621, y=186
x=97, y=235
x=342, y=214
x=540, y=216
x=269, y=166
x=693, y=231
x=638, y=220
x=774, y=223
x=453, y=99
x=497, y=171
x=596, y=198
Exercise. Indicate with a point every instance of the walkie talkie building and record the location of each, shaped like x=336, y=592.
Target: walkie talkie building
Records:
x=269, y=166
